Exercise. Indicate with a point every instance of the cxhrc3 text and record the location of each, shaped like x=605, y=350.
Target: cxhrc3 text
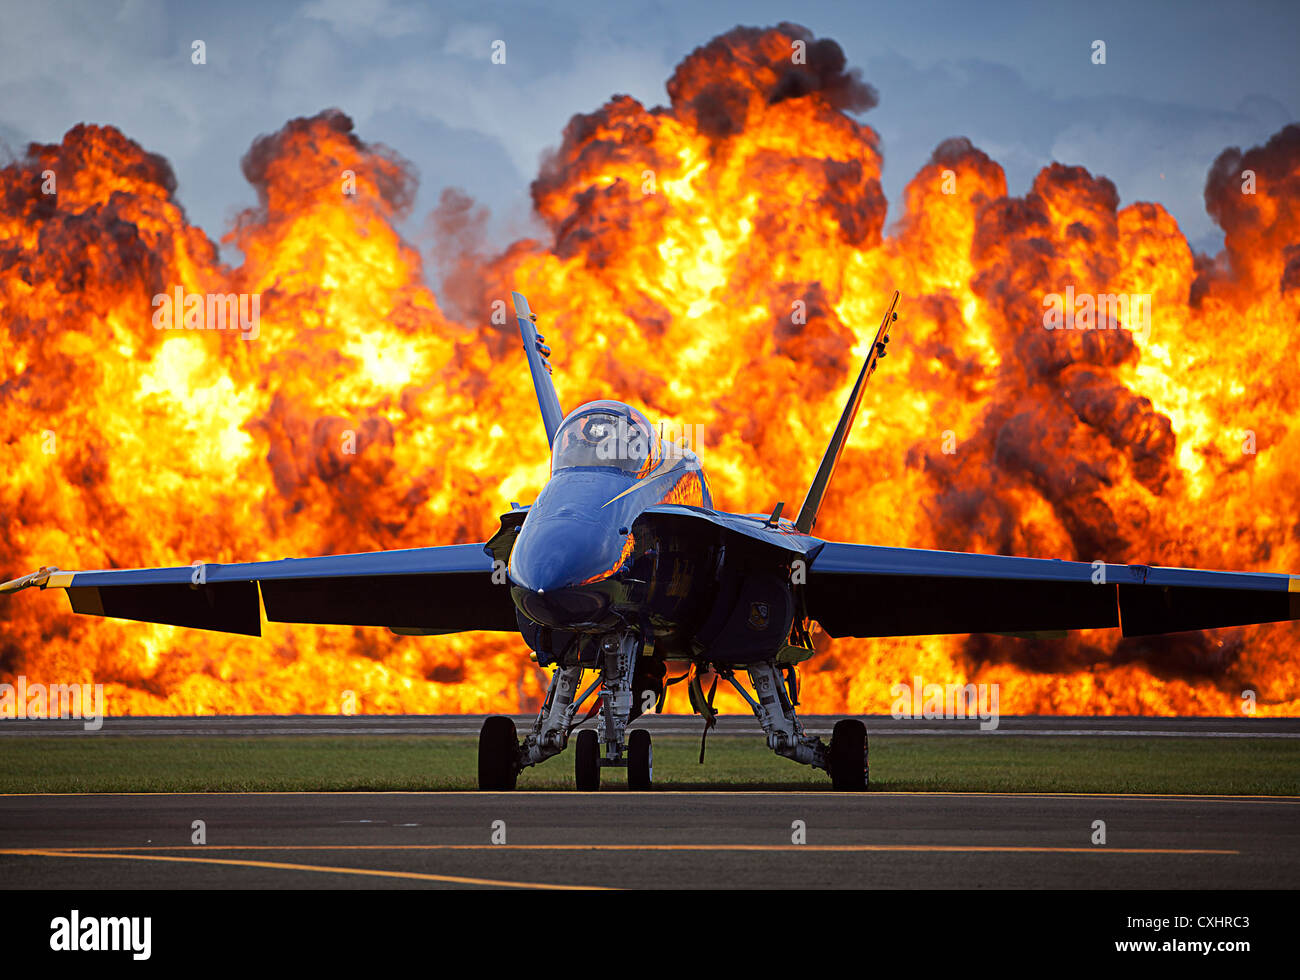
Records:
x=1188, y=922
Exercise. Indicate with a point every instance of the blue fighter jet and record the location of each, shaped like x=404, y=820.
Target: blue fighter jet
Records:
x=622, y=566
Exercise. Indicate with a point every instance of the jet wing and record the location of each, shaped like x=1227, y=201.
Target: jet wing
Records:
x=864, y=590
x=428, y=590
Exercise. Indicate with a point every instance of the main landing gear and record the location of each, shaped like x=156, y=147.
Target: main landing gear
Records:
x=501, y=756
x=497, y=751
x=845, y=759
x=849, y=764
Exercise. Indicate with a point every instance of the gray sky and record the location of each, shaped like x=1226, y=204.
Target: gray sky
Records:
x=1181, y=82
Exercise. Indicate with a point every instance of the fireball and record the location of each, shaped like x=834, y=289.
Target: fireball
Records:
x=718, y=261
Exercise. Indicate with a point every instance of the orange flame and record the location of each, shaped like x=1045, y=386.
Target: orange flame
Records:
x=720, y=262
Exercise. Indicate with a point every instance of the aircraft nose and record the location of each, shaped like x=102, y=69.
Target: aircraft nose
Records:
x=571, y=608
x=559, y=569
x=554, y=555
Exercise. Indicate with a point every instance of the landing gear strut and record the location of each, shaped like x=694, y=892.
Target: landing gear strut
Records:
x=619, y=654
x=845, y=759
x=501, y=756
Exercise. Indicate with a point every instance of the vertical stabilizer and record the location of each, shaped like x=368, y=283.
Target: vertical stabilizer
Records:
x=812, y=503
x=540, y=368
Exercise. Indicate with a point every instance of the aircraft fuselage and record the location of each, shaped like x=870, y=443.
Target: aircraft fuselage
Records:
x=579, y=563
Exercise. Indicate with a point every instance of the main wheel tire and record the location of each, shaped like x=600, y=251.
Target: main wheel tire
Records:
x=849, y=756
x=498, y=754
x=640, y=760
x=586, y=761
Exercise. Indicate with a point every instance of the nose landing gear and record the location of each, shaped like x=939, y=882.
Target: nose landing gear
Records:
x=501, y=756
x=617, y=675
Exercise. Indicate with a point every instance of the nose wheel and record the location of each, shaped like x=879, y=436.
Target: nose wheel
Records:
x=639, y=761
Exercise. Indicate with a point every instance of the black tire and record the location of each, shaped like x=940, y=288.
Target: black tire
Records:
x=849, y=756
x=640, y=760
x=586, y=761
x=498, y=754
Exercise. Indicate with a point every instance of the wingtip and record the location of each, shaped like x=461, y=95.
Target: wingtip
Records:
x=41, y=578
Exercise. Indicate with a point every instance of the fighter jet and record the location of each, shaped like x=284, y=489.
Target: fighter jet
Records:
x=622, y=566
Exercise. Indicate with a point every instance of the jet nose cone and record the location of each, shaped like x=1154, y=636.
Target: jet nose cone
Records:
x=554, y=555
x=575, y=609
x=545, y=563
x=559, y=570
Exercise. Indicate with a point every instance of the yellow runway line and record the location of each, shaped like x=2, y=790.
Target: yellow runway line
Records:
x=281, y=866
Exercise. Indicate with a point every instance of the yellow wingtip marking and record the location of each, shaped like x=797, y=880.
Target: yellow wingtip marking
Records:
x=1294, y=584
x=59, y=580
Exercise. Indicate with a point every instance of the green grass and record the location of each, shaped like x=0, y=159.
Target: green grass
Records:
x=1002, y=763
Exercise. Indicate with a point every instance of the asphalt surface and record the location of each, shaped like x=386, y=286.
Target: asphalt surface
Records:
x=659, y=839
x=647, y=840
x=728, y=725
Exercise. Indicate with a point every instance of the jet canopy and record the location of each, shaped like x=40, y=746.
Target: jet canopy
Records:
x=605, y=433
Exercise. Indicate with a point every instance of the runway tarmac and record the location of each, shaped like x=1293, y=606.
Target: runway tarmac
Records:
x=648, y=840
x=655, y=840
x=728, y=725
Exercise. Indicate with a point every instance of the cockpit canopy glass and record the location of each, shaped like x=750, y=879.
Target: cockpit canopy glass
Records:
x=605, y=433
